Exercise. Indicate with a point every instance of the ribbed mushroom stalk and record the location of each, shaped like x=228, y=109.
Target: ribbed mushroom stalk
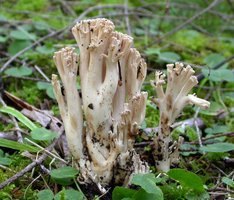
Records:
x=111, y=75
x=180, y=81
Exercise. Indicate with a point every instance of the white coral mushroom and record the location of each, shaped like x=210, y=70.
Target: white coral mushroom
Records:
x=180, y=81
x=111, y=75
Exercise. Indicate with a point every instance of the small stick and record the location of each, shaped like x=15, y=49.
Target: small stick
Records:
x=8, y=136
x=42, y=73
x=197, y=128
x=31, y=165
x=190, y=20
x=29, y=47
x=213, y=137
x=127, y=17
x=81, y=16
x=47, y=151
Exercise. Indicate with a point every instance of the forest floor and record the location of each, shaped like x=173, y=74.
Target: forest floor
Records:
x=197, y=32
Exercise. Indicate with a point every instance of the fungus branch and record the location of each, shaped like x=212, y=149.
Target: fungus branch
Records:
x=180, y=81
x=69, y=101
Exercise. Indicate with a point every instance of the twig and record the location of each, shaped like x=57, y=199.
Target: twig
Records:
x=197, y=128
x=8, y=136
x=29, y=185
x=188, y=122
x=65, y=147
x=231, y=5
x=24, y=78
x=67, y=7
x=47, y=151
x=229, y=161
x=126, y=17
x=30, y=166
x=29, y=47
x=187, y=6
x=213, y=137
x=6, y=168
x=42, y=73
x=32, y=157
x=201, y=76
x=190, y=20
x=221, y=189
x=82, y=15
x=98, y=7
x=166, y=12
x=200, y=29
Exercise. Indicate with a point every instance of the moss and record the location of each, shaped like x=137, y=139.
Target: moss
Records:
x=14, y=191
x=172, y=192
x=191, y=39
x=6, y=127
x=5, y=193
x=39, y=5
x=27, y=91
x=55, y=110
x=53, y=21
x=152, y=115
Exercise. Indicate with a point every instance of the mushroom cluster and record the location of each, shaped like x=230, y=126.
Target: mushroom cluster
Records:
x=102, y=125
x=180, y=81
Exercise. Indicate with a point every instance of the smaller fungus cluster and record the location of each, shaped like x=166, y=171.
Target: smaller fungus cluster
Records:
x=180, y=81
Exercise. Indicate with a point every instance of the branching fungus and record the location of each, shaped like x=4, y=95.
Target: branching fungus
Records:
x=180, y=81
x=111, y=75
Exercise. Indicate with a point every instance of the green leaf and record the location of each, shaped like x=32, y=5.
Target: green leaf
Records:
x=148, y=183
x=120, y=193
x=19, y=71
x=219, y=75
x=214, y=109
x=201, y=196
x=45, y=195
x=188, y=149
x=50, y=92
x=142, y=194
x=17, y=46
x=213, y=59
x=152, y=51
x=5, y=161
x=45, y=50
x=1, y=153
x=42, y=134
x=217, y=129
x=41, y=25
x=48, y=87
x=228, y=181
x=43, y=85
x=3, y=39
x=187, y=179
x=2, y=17
x=17, y=146
x=169, y=56
x=218, y=147
x=69, y=195
x=64, y=175
x=11, y=111
x=22, y=34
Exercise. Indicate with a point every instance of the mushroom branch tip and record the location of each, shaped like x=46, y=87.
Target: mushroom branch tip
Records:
x=112, y=104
